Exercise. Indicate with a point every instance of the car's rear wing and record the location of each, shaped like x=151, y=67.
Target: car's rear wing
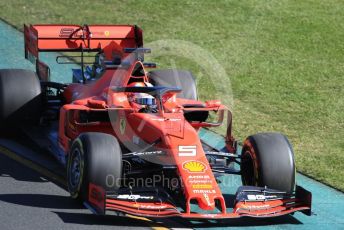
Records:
x=75, y=38
x=109, y=39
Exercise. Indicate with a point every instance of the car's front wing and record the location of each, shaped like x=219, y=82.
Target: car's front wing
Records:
x=250, y=201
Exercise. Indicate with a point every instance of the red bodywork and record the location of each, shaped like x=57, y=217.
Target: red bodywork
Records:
x=168, y=124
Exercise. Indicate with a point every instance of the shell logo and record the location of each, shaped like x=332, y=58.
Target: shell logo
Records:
x=107, y=33
x=194, y=166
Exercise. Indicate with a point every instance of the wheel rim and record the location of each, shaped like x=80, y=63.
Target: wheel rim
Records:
x=75, y=169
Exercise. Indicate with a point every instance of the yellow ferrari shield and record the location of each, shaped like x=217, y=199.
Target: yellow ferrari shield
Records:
x=122, y=125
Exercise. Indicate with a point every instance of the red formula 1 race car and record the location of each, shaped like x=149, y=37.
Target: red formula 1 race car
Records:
x=129, y=138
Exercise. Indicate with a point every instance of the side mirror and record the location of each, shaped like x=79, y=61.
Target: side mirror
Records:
x=213, y=103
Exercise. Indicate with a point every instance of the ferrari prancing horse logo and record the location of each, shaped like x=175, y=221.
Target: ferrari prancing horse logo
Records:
x=122, y=125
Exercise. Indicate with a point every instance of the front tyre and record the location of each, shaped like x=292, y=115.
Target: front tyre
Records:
x=94, y=158
x=267, y=159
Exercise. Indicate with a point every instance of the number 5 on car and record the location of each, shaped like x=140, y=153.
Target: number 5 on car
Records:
x=187, y=150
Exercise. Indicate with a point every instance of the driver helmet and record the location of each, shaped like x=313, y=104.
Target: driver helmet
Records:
x=141, y=100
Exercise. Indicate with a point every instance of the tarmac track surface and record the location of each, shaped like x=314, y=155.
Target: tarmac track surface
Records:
x=28, y=200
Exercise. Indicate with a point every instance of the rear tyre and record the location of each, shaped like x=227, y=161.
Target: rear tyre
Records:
x=268, y=160
x=94, y=158
x=175, y=78
x=20, y=97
